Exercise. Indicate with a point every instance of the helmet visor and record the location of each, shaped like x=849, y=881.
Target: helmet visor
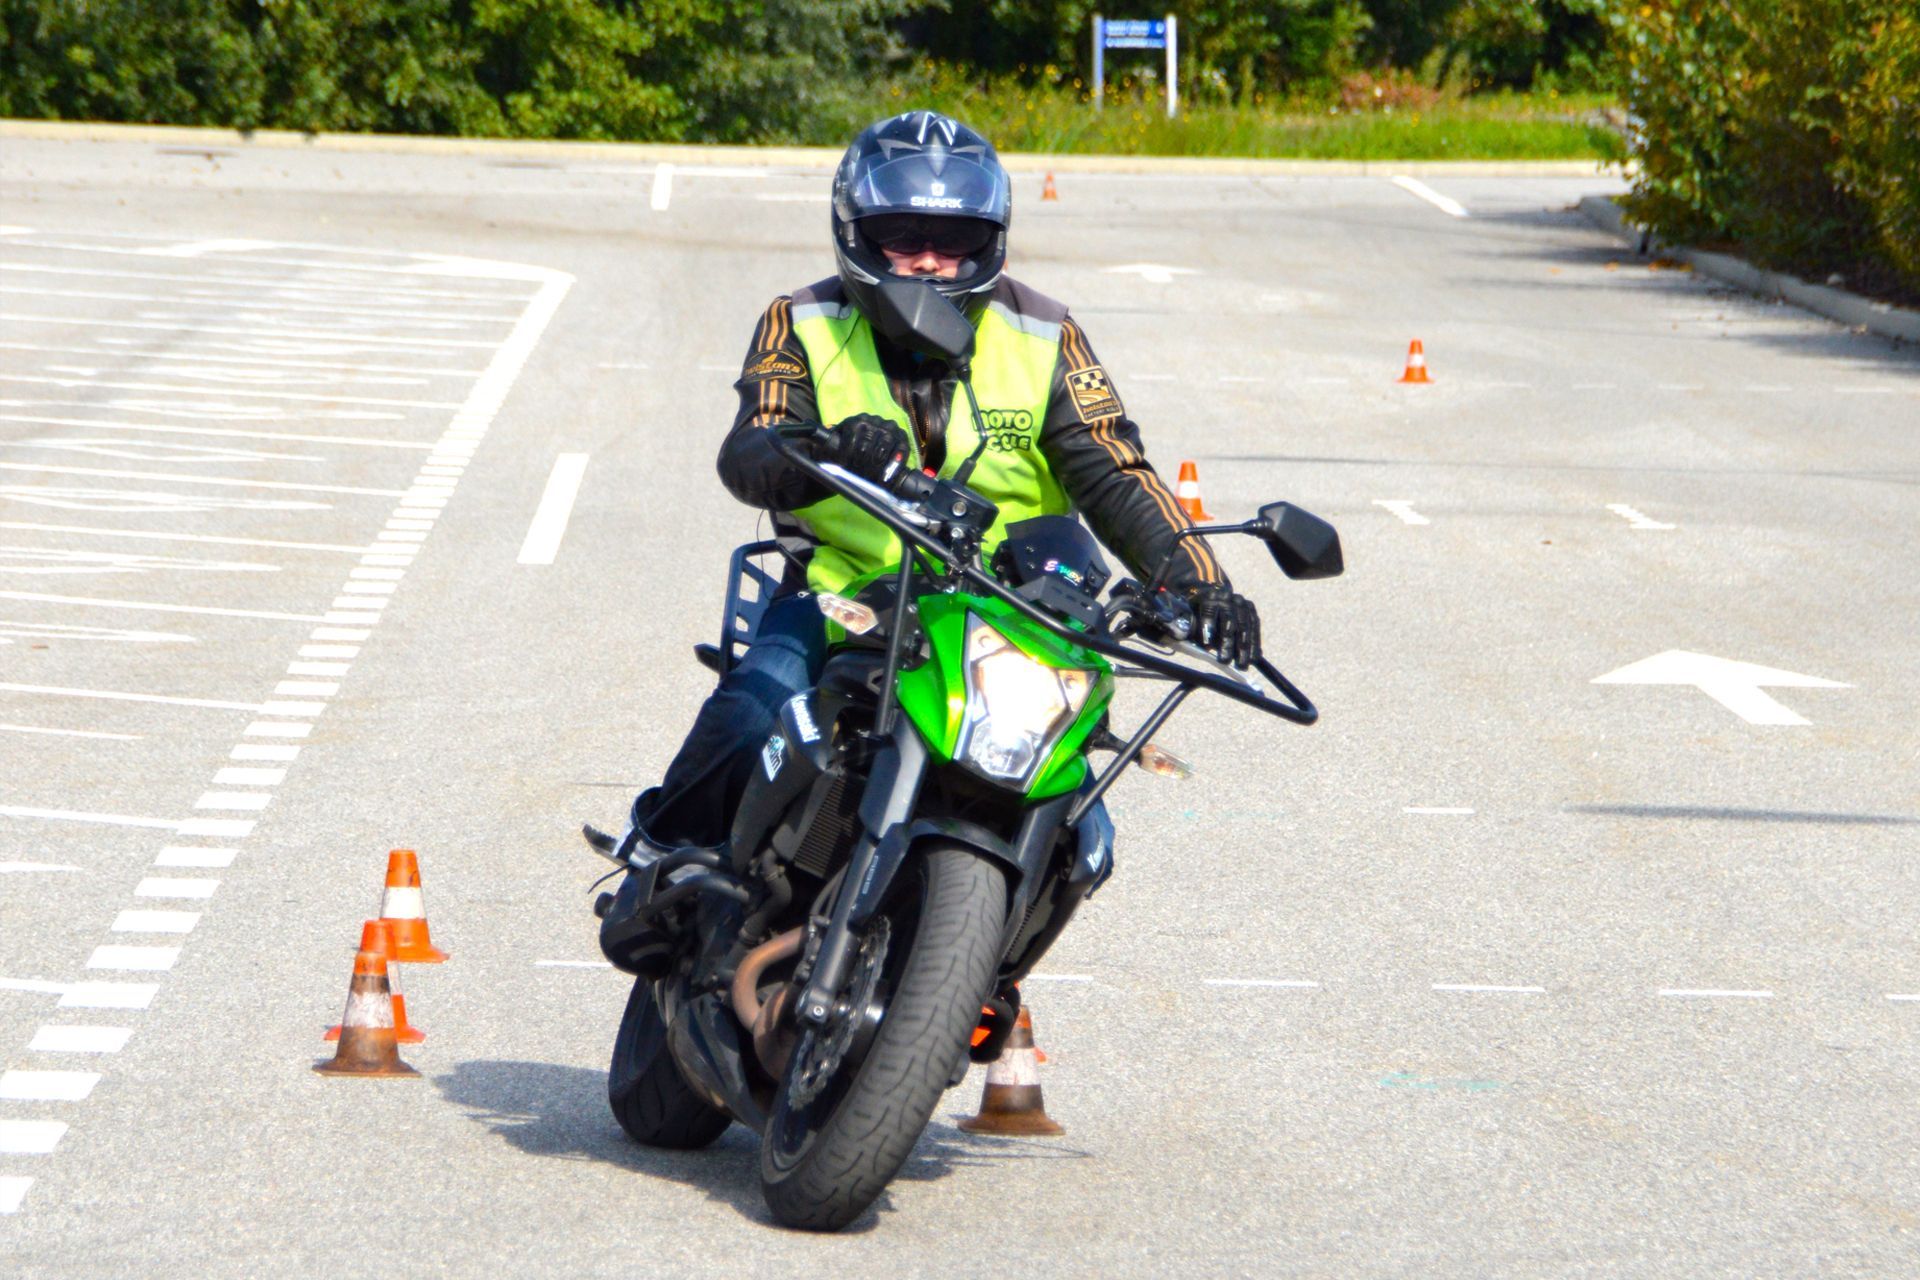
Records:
x=942, y=183
x=913, y=233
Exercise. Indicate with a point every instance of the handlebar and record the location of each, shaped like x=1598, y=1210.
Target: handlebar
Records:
x=911, y=525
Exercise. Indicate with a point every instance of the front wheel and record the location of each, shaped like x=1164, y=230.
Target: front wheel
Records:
x=649, y=1097
x=858, y=1092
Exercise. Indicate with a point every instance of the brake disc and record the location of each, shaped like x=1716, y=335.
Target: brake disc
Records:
x=822, y=1051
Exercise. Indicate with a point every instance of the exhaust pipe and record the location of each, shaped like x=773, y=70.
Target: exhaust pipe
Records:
x=763, y=1019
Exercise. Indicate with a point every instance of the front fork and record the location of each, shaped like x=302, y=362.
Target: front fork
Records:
x=893, y=784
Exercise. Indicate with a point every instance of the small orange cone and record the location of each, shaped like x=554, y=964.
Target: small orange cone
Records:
x=1011, y=1105
x=1187, y=492
x=405, y=908
x=368, y=1046
x=1416, y=364
x=377, y=935
x=1048, y=191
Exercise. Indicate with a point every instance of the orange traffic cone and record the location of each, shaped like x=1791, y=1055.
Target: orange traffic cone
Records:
x=1011, y=1105
x=368, y=1046
x=1416, y=364
x=1187, y=491
x=405, y=908
x=1048, y=191
x=377, y=935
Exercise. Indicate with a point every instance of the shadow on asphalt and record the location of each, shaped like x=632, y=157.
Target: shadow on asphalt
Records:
x=545, y=1109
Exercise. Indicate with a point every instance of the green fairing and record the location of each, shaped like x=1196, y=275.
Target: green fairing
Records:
x=934, y=695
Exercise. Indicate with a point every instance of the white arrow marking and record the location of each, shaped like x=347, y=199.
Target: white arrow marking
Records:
x=1151, y=272
x=1734, y=685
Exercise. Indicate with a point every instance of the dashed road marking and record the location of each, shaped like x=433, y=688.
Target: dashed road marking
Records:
x=47, y=1086
x=1403, y=508
x=1447, y=205
x=70, y=733
x=662, y=192
x=136, y=959
x=55, y=691
x=13, y=1188
x=1635, y=519
x=155, y=922
x=550, y=518
x=30, y=1137
x=72, y=1039
x=193, y=856
x=109, y=995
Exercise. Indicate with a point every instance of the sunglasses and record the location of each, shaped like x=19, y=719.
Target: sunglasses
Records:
x=912, y=232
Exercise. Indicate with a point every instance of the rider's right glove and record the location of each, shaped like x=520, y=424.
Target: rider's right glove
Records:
x=1227, y=624
x=867, y=445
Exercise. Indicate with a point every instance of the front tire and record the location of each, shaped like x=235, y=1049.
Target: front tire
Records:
x=824, y=1161
x=650, y=1098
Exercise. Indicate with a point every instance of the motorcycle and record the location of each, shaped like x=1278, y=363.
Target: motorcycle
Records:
x=923, y=825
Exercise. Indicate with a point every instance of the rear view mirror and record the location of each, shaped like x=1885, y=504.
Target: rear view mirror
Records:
x=912, y=314
x=1303, y=545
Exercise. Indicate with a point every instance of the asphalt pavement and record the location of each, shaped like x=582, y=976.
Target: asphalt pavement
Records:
x=352, y=502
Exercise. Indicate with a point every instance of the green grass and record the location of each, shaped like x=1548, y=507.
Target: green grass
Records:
x=1059, y=119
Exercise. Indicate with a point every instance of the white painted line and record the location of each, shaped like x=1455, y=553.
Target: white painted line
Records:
x=275, y=729
x=170, y=887
x=109, y=995
x=70, y=733
x=1403, y=508
x=1452, y=208
x=1487, y=987
x=174, y=388
x=73, y=815
x=1891, y=996
x=198, y=248
x=307, y=688
x=282, y=708
x=238, y=801
x=662, y=188
x=1711, y=992
x=351, y=617
x=229, y=482
x=155, y=922
x=58, y=692
x=186, y=855
x=178, y=537
x=572, y=964
x=36, y=985
x=1058, y=977
x=323, y=335
x=396, y=560
x=1634, y=517
x=80, y=1039
x=1437, y=810
x=158, y=429
x=142, y=959
x=30, y=1137
x=1737, y=686
x=220, y=828
x=369, y=588
x=236, y=777
x=13, y=1189
x=149, y=607
x=1298, y=984
x=318, y=668
x=47, y=1086
x=22, y=868
x=556, y=507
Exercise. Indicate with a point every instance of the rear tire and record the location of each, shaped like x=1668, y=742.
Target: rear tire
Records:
x=650, y=1098
x=820, y=1172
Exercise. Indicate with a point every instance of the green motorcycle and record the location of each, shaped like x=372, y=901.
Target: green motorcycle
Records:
x=925, y=823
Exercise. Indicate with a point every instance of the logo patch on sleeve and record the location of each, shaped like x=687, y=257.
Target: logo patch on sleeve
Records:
x=773, y=364
x=1093, y=397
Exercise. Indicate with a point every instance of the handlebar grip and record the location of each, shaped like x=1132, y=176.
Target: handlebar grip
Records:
x=911, y=485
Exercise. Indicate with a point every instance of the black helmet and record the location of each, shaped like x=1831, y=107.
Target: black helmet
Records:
x=921, y=165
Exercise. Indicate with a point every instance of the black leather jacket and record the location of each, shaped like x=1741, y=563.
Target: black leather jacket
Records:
x=1092, y=447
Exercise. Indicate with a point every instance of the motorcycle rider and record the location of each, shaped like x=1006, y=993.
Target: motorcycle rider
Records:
x=923, y=195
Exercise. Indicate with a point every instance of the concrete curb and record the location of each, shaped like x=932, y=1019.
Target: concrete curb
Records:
x=1851, y=309
x=766, y=157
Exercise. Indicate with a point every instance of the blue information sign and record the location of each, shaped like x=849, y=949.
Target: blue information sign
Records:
x=1134, y=33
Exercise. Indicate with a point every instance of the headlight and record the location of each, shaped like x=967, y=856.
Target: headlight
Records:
x=1016, y=707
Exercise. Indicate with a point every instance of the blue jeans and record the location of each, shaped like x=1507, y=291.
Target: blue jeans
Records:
x=696, y=799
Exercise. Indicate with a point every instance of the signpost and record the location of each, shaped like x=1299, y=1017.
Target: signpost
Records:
x=1137, y=33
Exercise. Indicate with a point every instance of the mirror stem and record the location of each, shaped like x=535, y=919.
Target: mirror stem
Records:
x=1193, y=531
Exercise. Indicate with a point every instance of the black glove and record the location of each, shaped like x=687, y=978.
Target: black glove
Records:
x=867, y=445
x=1227, y=625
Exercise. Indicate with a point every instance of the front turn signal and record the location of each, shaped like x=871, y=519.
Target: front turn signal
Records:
x=1162, y=763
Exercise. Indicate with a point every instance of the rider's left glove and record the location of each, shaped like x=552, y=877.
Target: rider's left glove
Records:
x=867, y=445
x=1226, y=625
